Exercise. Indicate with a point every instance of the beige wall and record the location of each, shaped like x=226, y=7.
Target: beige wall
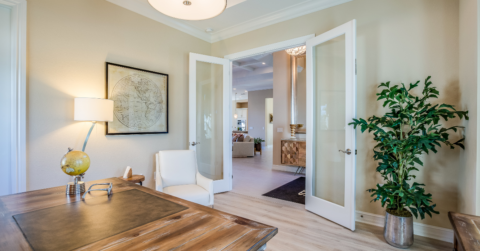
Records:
x=256, y=114
x=399, y=41
x=281, y=102
x=468, y=87
x=68, y=44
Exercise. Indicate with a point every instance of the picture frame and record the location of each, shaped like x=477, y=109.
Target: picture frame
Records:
x=140, y=100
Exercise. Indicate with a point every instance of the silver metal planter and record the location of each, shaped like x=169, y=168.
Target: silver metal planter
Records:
x=398, y=231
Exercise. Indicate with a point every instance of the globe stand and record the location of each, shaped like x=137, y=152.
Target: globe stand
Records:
x=77, y=186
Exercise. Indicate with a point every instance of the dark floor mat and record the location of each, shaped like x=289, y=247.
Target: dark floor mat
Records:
x=291, y=191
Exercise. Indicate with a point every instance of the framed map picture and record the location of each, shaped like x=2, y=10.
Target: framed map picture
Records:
x=140, y=100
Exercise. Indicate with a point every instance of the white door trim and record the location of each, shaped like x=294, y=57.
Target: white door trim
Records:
x=291, y=43
x=18, y=94
x=343, y=215
x=226, y=183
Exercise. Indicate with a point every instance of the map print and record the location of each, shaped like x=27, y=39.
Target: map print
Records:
x=138, y=102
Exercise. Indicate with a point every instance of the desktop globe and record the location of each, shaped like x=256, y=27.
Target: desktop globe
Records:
x=75, y=163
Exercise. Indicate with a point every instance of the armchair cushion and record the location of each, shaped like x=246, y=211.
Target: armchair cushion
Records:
x=193, y=193
x=184, y=171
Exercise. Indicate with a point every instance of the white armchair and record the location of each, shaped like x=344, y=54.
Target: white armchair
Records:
x=177, y=174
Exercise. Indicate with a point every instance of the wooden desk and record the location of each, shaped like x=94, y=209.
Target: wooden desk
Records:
x=182, y=230
x=465, y=227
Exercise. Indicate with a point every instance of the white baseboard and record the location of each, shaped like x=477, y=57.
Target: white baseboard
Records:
x=284, y=168
x=438, y=233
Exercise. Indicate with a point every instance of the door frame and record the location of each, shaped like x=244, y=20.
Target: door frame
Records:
x=270, y=48
x=283, y=45
x=18, y=93
x=226, y=183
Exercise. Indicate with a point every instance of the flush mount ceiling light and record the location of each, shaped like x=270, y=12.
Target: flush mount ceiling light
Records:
x=297, y=51
x=190, y=9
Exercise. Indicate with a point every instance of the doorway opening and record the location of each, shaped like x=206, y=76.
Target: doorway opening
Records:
x=271, y=88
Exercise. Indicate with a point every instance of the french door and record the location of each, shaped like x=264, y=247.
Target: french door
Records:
x=209, y=118
x=331, y=102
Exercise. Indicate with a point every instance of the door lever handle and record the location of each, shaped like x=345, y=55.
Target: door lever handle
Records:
x=195, y=143
x=348, y=151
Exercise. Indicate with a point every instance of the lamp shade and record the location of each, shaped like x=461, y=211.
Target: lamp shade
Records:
x=190, y=9
x=93, y=109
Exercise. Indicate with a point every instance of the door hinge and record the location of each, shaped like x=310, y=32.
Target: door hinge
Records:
x=355, y=151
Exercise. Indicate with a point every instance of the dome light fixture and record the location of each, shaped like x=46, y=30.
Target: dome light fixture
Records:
x=297, y=51
x=190, y=9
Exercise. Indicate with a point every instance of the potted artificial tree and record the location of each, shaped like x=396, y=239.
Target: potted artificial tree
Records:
x=411, y=127
x=258, y=143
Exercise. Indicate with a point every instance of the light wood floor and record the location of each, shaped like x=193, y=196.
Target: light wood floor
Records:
x=298, y=228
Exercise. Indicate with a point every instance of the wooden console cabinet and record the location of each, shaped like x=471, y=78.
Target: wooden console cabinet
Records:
x=294, y=152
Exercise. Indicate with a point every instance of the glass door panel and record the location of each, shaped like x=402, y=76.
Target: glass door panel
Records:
x=329, y=127
x=209, y=119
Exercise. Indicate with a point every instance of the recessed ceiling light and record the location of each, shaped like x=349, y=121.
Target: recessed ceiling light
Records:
x=234, y=89
x=246, y=91
x=190, y=9
x=263, y=62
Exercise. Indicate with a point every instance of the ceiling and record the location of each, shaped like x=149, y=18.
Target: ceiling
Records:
x=241, y=16
x=252, y=74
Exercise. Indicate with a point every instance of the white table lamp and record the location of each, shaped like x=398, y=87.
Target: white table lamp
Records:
x=95, y=110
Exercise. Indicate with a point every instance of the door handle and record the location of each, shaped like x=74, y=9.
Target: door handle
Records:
x=348, y=151
x=195, y=143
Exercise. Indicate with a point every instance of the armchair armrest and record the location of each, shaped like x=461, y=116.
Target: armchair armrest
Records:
x=158, y=177
x=206, y=184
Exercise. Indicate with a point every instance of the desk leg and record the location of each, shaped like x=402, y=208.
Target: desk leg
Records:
x=263, y=248
x=141, y=183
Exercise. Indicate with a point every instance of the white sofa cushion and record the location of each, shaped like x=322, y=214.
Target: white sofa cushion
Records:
x=185, y=170
x=191, y=193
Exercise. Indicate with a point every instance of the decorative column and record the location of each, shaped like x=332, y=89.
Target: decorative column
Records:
x=294, y=52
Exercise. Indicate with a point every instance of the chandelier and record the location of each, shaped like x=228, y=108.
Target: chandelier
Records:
x=190, y=9
x=297, y=51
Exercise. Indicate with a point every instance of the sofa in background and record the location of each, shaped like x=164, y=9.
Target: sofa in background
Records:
x=243, y=148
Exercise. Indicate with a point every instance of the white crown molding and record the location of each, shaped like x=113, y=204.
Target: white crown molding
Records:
x=147, y=11
x=275, y=17
x=250, y=25
x=420, y=229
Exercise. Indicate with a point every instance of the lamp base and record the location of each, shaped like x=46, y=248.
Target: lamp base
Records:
x=73, y=188
x=293, y=127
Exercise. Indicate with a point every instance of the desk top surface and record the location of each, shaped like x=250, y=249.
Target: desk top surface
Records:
x=195, y=228
x=466, y=228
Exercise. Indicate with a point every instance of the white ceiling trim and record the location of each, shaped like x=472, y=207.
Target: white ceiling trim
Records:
x=257, y=23
x=275, y=17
